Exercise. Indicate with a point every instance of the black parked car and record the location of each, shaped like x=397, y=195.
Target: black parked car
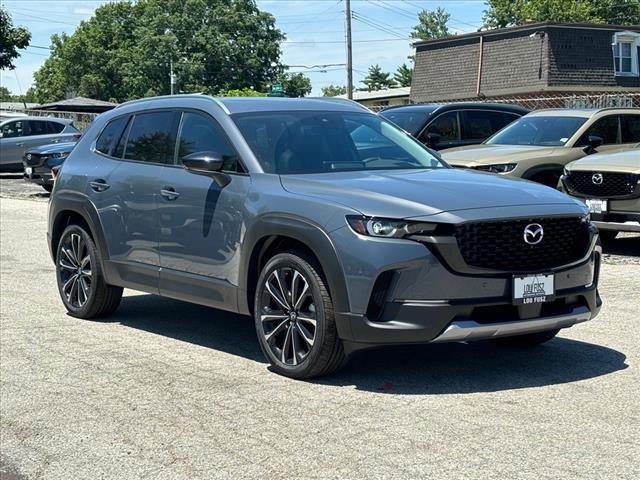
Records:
x=454, y=124
x=39, y=161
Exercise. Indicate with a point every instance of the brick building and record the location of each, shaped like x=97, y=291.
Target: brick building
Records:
x=540, y=59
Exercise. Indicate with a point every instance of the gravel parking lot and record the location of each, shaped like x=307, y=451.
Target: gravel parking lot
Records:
x=165, y=389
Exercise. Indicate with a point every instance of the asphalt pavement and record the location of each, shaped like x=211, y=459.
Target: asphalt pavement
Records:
x=169, y=390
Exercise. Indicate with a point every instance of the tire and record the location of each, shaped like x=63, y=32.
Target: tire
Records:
x=294, y=318
x=607, y=236
x=48, y=187
x=528, y=340
x=88, y=296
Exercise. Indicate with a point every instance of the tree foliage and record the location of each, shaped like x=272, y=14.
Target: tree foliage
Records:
x=433, y=24
x=12, y=39
x=505, y=13
x=295, y=84
x=403, y=75
x=124, y=50
x=376, y=79
x=240, y=92
x=333, y=90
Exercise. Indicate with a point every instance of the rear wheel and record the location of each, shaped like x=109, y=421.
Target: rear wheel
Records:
x=81, y=284
x=528, y=340
x=294, y=318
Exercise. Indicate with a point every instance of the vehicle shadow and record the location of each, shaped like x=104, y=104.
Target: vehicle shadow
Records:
x=626, y=245
x=406, y=370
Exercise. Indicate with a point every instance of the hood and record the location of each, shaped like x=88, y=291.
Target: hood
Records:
x=484, y=154
x=627, y=162
x=413, y=193
x=63, y=147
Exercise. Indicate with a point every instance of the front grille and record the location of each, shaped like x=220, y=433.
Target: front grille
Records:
x=34, y=159
x=500, y=245
x=603, y=184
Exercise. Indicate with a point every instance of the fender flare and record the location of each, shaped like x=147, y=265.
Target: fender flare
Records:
x=260, y=236
x=544, y=168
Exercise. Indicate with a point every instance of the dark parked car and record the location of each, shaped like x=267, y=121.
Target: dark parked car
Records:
x=454, y=124
x=39, y=161
x=273, y=207
x=19, y=134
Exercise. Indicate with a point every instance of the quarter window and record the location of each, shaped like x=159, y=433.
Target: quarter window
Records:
x=110, y=135
x=446, y=125
x=199, y=134
x=55, y=127
x=152, y=137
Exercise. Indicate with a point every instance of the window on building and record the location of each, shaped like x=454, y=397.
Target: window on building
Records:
x=625, y=53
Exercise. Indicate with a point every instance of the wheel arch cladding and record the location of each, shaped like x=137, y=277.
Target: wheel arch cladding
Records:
x=273, y=234
x=70, y=208
x=543, y=170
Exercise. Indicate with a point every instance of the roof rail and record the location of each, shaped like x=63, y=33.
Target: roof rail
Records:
x=149, y=99
x=343, y=100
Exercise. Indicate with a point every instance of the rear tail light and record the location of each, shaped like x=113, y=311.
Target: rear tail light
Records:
x=54, y=172
x=77, y=136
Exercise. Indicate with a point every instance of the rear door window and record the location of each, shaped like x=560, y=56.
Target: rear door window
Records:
x=630, y=128
x=481, y=124
x=111, y=135
x=37, y=127
x=54, y=127
x=152, y=137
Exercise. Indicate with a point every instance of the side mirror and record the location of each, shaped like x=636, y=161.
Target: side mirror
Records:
x=433, y=139
x=593, y=142
x=206, y=163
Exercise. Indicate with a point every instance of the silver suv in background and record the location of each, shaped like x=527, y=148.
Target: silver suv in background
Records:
x=19, y=134
x=274, y=208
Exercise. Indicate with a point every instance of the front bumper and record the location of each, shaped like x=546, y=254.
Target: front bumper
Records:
x=39, y=175
x=617, y=221
x=425, y=301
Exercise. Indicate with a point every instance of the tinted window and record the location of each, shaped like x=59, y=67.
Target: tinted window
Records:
x=55, y=127
x=540, y=130
x=481, y=124
x=13, y=129
x=607, y=128
x=411, y=121
x=198, y=133
x=110, y=135
x=630, y=128
x=446, y=125
x=315, y=142
x=152, y=137
x=37, y=127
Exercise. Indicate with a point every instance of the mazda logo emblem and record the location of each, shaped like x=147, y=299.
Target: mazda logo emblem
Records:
x=533, y=233
x=597, y=178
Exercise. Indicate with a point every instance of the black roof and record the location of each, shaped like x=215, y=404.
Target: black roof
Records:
x=433, y=107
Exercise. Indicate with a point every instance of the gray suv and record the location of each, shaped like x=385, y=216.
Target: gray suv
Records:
x=273, y=208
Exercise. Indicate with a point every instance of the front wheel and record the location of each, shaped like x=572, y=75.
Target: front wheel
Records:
x=81, y=285
x=294, y=318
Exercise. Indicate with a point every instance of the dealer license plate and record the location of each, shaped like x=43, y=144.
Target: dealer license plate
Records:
x=596, y=205
x=530, y=289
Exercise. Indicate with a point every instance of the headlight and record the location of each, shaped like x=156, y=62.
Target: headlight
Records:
x=59, y=155
x=497, y=168
x=388, y=228
x=565, y=172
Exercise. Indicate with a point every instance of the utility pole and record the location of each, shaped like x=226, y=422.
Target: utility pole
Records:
x=347, y=5
x=172, y=77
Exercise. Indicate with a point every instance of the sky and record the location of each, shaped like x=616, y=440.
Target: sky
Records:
x=314, y=30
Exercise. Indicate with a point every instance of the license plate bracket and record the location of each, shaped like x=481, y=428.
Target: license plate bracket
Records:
x=532, y=289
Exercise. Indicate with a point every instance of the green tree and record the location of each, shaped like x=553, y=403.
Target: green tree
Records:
x=125, y=50
x=12, y=39
x=403, y=75
x=376, y=79
x=295, y=84
x=5, y=94
x=244, y=92
x=432, y=24
x=505, y=13
x=333, y=90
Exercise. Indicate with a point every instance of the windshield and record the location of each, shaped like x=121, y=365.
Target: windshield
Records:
x=314, y=142
x=538, y=130
x=412, y=121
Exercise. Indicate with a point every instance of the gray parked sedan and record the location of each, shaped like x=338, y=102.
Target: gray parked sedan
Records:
x=17, y=135
x=274, y=208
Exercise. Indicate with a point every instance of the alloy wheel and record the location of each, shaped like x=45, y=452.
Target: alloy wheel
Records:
x=74, y=263
x=288, y=315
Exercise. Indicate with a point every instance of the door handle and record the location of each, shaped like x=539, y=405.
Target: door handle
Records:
x=169, y=193
x=99, y=185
